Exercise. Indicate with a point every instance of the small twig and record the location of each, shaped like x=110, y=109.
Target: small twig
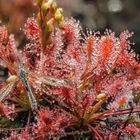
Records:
x=28, y=121
x=62, y=104
x=77, y=132
x=13, y=129
x=95, y=131
x=120, y=112
x=126, y=122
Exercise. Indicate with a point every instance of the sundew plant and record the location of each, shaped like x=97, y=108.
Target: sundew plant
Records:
x=67, y=83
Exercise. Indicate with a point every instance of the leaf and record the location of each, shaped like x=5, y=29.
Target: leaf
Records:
x=23, y=101
x=95, y=108
x=56, y=82
x=4, y=92
x=99, y=134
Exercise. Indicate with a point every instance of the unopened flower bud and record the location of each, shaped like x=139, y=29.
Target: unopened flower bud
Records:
x=100, y=96
x=46, y=5
x=50, y=25
x=54, y=6
x=12, y=78
x=37, y=2
x=58, y=14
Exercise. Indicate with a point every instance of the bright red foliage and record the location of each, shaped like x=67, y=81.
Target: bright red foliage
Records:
x=84, y=83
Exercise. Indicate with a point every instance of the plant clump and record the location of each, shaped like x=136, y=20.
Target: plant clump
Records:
x=83, y=84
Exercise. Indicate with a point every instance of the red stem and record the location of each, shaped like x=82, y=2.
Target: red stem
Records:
x=95, y=131
x=120, y=112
